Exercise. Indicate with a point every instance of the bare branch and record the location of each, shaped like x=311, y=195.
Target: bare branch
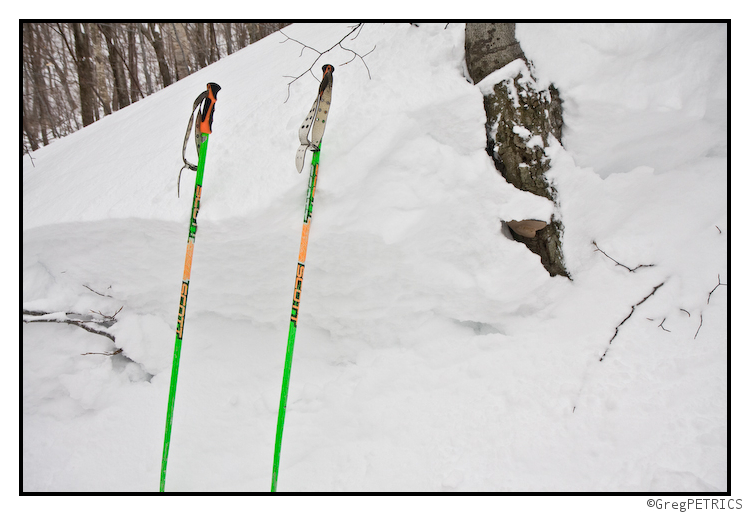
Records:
x=699, y=327
x=85, y=322
x=720, y=284
x=113, y=353
x=28, y=153
x=617, y=262
x=632, y=310
x=110, y=317
x=97, y=292
x=357, y=28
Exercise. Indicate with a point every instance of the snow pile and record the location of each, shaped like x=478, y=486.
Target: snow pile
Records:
x=433, y=353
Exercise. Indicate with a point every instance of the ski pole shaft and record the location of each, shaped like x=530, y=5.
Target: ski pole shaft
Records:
x=205, y=121
x=295, y=311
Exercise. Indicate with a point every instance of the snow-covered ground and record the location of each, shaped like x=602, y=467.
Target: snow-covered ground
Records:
x=433, y=353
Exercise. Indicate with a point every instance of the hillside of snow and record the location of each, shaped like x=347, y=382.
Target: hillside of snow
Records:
x=433, y=353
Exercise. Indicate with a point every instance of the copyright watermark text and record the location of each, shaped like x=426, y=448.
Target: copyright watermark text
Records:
x=695, y=504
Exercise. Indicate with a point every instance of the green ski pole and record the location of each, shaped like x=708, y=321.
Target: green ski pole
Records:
x=295, y=310
x=319, y=115
x=202, y=130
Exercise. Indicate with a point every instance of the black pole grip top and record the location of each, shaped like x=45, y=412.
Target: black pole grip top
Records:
x=209, y=104
x=327, y=78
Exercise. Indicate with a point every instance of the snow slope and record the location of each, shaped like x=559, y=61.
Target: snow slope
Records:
x=433, y=353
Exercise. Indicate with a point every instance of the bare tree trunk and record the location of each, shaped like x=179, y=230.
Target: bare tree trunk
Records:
x=62, y=77
x=154, y=36
x=85, y=72
x=213, y=54
x=27, y=129
x=135, y=88
x=30, y=119
x=65, y=106
x=198, y=43
x=64, y=37
x=242, y=38
x=149, y=87
x=491, y=46
x=182, y=64
x=27, y=124
x=228, y=37
x=121, y=97
x=52, y=113
x=100, y=71
x=42, y=109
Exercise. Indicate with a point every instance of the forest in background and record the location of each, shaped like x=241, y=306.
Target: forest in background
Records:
x=76, y=73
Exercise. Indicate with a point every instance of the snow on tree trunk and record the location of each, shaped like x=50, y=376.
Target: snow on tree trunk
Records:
x=521, y=117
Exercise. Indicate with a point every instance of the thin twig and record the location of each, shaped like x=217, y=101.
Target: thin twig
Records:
x=632, y=310
x=720, y=284
x=686, y=311
x=662, y=326
x=320, y=54
x=110, y=317
x=617, y=262
x=699, y=327
x=28, y=153
x=97, y=291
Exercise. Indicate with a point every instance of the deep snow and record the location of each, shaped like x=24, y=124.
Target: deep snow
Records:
x=433, y=353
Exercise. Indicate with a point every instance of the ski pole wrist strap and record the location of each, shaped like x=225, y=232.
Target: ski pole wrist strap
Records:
x=203, y=125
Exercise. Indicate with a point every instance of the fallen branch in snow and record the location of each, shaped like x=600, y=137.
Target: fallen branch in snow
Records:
x=720, y=284
x=617, y=262
x=708, y=301
x=86, y=322
x=632, y=310
x=91, y=289
x=357, y=27
x=114, y=353
x=699, y=327
x=109, y=317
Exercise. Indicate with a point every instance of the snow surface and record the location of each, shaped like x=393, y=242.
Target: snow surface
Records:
x=433, y=353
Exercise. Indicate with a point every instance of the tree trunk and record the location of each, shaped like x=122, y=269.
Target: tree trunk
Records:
x=521, y=116
x=61, y=98
x=213, y=47
x=85, y=72
x=489, y=47
x=42, y=108
x=228, y=37
x=149, y=87
x=121, y=96
x=198, y=43
x=135, y=88
x=154, y=36
x=27, y=126
x=182, y=67
x=100, y=72
x=242, y=36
